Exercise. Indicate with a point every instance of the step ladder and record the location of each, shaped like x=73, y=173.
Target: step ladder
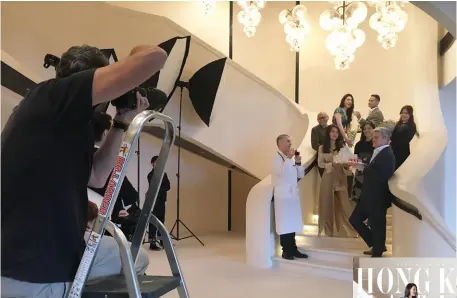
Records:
x=128, y=283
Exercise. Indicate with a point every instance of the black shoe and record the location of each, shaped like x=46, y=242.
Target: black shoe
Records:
x=300, y=255
x=287, y=256
x=153, y=246
x=370, y=252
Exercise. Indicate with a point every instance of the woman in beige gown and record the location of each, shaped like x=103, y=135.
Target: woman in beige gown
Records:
x=334, y=204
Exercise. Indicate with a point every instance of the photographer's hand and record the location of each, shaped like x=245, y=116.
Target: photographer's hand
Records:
x=126, y=115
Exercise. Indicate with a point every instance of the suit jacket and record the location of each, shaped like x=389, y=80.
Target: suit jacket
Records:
x=375, y=116
x=317, y=136
x=164, y=187
x=375, y=195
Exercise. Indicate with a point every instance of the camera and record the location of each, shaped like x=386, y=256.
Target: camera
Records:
x=157, y=99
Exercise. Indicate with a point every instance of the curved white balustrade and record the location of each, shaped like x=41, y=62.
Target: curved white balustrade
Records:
x=429, y=237
x=411, y=237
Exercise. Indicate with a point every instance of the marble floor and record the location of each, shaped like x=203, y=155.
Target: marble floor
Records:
x=217, y=270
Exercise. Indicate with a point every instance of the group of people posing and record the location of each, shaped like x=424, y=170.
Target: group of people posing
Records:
x=353, y=197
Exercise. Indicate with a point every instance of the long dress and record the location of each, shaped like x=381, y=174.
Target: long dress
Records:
x=334, y=205
x=364, y=150
x=401, y=137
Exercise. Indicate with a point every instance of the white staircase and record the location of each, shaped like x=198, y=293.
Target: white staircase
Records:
x=330, y=257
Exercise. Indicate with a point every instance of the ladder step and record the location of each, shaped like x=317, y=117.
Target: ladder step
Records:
x=116, y=287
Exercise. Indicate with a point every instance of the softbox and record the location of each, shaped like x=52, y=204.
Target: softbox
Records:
x=203, y=88
x=167, y=78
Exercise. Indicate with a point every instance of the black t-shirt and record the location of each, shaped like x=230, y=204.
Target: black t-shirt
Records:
x=46, y=162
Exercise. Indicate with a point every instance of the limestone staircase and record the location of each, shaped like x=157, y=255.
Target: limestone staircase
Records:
x=330, y=257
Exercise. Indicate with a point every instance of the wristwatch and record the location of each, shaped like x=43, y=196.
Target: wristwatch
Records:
x=120, y=125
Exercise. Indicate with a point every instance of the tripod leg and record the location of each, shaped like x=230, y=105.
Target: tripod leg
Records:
x=172, y=229
x=192, y=233
x=171, y=255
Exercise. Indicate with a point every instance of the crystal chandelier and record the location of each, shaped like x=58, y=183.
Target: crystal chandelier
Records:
x=296, y=26
x=208, y=5
x=389, y=20
x=342, y=21
x=250, y=15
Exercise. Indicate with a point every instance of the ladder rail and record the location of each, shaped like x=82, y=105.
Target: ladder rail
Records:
x=171, y=256
x=128, y=265
x=153, y=189
x=111, y=194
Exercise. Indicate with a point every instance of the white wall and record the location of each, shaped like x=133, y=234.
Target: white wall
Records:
x=203, y=191
x=448, y=107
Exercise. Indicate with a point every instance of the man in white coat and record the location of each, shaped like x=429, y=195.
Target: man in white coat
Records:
x=288, y=217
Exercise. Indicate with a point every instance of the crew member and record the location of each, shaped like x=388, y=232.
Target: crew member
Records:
x=159, y=207
x=47, y=162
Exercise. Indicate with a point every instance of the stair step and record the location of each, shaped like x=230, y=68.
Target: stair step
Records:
x=322, y=268
x=332, y=255
x=116, y=287
x=339, y=243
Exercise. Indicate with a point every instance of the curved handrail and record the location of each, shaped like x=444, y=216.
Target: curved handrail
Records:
x=446, y=43
x=407, y=186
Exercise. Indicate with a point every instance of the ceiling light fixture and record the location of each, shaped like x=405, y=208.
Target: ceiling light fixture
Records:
x=389, y=20
x=296, y=26
x=250, y=15
x=342, y=21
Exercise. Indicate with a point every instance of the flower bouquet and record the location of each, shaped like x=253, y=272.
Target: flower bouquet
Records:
x=352, y=135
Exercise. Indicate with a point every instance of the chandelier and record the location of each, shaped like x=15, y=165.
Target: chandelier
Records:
x=208, y=5
x=250, y=15
x=342, y=21
x=389, y=20
x=296, y=26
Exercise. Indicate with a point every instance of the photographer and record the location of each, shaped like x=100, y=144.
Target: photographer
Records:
x=47, y=164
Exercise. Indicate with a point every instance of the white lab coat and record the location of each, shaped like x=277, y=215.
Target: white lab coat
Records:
x=288, y=215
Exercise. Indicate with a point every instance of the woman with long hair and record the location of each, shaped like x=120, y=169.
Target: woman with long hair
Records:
x=342, y=117
x=410, y=291
x=403, y=133
x=364, y=150
x=334, y=205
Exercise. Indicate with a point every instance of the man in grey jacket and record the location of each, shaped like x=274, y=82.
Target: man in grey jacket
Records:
x=375, y=115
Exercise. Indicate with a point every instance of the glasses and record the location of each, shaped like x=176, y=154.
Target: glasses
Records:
x=321, y=118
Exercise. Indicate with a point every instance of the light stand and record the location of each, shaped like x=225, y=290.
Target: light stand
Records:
x=178, y=221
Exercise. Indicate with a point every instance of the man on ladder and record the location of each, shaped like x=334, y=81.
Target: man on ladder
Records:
x=47, y=164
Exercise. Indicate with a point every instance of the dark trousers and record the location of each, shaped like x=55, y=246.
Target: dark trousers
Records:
x=374, y=235
x=288, y=243
x=159, y=212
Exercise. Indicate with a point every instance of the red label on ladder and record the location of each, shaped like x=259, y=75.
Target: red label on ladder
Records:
x=114, y=180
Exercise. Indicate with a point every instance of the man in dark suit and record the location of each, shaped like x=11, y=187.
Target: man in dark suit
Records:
x=375, y=197
x=318, y=134
x=159, y=207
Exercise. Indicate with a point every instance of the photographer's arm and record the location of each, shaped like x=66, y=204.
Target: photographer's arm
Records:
x=116, y=79
x=105, y=157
